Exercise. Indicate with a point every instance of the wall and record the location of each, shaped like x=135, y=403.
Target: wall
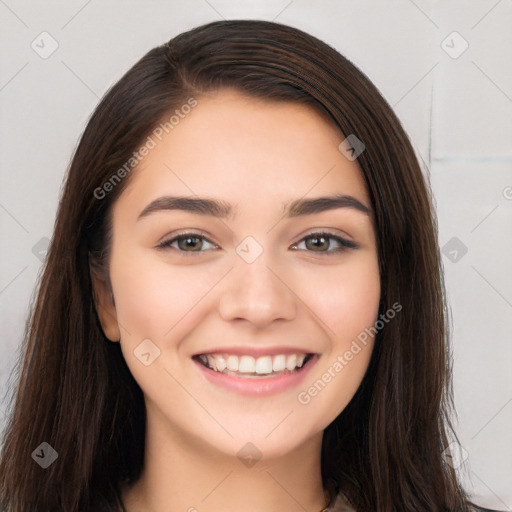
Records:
x=455, y=103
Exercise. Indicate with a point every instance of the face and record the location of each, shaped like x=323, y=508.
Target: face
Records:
x=268, y=290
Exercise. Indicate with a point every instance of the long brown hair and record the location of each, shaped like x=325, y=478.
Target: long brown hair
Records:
x=75, y=392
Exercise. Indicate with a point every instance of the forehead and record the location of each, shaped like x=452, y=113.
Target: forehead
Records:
x=249, y=152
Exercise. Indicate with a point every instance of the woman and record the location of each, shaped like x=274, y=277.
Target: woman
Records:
x=242, y=306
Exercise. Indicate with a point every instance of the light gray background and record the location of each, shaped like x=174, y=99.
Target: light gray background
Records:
x=457, y=111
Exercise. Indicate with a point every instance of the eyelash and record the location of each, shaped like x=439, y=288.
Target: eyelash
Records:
x=345, y=244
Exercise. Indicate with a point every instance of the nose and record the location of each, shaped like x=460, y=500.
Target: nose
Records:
x=258, y=293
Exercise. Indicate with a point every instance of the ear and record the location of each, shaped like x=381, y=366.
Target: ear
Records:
x=104, y=303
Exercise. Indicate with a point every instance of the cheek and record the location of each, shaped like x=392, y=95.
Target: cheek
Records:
x=346, y=300
x=152, y=297
x=159, y=302
x=348, y=306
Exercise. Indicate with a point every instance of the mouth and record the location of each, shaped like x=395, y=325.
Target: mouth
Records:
x=249, y=367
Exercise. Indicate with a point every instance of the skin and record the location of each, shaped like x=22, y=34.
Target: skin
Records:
x=256, y=155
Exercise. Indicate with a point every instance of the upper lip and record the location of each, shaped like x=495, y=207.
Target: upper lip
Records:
x=254, y=351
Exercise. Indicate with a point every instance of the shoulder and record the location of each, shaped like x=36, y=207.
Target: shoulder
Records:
x=341, y=504
x=476, y=508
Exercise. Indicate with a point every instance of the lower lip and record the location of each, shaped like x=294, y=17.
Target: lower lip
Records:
x=262, y=386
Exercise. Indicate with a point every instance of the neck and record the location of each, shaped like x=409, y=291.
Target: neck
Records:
x=186, y=474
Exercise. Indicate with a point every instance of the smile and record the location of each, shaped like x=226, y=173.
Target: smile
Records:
x=253, y=367
x=262, y=375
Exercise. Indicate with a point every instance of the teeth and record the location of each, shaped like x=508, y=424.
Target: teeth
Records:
x=247, y=364
x=221, y=363
x=264, y=365
x=291, y=361
x=232, y=363
x=212, y=363
x=279, y=363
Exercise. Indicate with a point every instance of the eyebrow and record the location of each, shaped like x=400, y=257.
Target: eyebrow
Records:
x=221, y=209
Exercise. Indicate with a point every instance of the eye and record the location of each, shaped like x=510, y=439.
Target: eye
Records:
x=323, y=240
x=318, y=242
x=187, y=243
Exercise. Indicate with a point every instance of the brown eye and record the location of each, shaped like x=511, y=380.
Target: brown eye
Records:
x=322, y=242
x=187, y=243
x=190, y=242
x=317, y=242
